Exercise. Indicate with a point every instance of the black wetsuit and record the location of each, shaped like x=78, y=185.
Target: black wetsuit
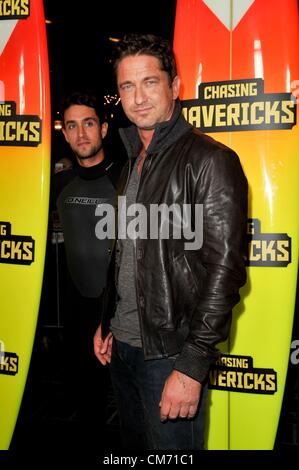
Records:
x=77, y=193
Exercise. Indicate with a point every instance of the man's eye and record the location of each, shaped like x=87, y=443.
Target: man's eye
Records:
x=127, y=87
x=151, y=82
x=89, y=123
x=70, y=126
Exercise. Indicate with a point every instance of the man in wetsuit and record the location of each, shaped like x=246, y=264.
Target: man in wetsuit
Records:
x=77, y=193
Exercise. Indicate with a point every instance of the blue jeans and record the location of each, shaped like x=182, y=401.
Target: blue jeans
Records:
x=138, y=385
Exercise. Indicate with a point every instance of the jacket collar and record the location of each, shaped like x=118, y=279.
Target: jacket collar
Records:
x=166, y=133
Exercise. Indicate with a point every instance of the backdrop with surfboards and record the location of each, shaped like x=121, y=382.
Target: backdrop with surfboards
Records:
x=24, y=194
x=239, y=65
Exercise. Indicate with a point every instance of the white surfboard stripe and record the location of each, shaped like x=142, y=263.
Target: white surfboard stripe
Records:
x=223, y=8
x=6, y=29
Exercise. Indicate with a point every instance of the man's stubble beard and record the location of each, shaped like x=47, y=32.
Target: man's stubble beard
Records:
x=94, y=151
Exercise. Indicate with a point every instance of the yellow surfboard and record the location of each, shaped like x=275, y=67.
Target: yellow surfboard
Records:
x=239, y=64
x=24, y=194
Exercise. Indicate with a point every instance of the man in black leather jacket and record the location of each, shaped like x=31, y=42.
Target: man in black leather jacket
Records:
x=174, y=297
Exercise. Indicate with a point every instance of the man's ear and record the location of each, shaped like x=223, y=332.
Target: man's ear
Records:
x=176, y=85
x=104, y=129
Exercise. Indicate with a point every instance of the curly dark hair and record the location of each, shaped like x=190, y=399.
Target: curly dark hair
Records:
x=148, y=44
x=85, y=98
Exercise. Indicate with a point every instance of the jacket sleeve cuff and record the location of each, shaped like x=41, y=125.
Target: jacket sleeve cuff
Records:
x=192, y=363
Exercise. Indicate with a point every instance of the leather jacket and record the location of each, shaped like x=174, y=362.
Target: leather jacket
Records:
x=185, y=297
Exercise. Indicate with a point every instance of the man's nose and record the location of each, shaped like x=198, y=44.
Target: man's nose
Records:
x=81, y=129
x=140, y=95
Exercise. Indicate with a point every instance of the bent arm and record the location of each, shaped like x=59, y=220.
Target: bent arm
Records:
x=222, y=189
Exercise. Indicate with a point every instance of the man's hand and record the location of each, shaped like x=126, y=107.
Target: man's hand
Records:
x=102, y=348
x=180, y=397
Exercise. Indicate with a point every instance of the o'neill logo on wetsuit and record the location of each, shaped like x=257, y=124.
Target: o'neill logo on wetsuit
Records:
x=84, y=200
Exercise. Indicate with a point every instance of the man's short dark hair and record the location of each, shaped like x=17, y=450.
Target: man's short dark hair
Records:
x=84, y=98
x=148, y=44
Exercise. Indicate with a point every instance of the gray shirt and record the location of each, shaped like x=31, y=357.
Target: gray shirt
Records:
x=125, y=324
